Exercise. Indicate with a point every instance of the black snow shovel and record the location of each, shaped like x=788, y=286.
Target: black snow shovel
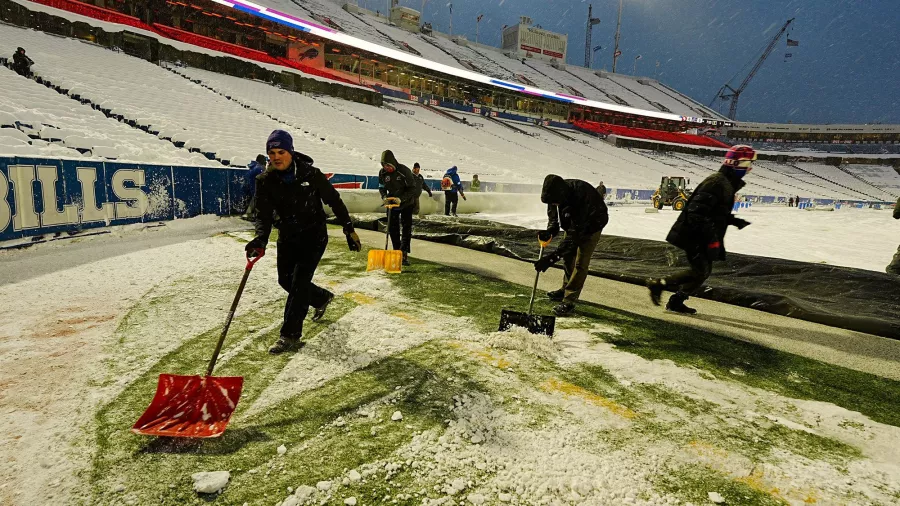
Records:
x=536, y=324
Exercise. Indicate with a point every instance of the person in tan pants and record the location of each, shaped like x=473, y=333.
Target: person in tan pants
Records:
x=576, y=207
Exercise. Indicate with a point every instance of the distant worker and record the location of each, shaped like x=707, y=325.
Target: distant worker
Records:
x=797, y=201
x=701, y=226
x=476, y=184
x=452, y=187
x=289, y=196
x=894, y=267
x=791, y=202
x=254, y=169
x=395, y=180
x=22, y=63
x=601, y=188
x=421, y=184
x=576, y=207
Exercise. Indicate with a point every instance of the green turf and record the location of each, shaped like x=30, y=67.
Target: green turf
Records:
x=158, y=471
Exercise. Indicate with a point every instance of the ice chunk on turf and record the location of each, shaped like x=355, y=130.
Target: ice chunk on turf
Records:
x=210, y=482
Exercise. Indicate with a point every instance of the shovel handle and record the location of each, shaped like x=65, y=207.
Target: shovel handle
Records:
x=537, y=276
x=234, y=304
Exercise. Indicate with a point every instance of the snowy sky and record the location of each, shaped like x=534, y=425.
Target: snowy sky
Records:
x=845, y=70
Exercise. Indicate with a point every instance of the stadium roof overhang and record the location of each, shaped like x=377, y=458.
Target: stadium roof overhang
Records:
x=343, y=38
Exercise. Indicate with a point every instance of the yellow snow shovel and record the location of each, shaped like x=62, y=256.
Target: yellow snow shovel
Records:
x=389, y=260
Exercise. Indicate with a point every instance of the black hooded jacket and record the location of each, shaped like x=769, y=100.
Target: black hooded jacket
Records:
x=574, y=206
x=291, y=201
x=21, y=62
x=707, y=214
x=401, y=183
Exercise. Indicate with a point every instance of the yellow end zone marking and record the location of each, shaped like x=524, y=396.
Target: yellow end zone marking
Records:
x=408, y=317
x=570, y=390
x=360, y=298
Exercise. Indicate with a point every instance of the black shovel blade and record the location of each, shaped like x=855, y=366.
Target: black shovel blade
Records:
x=535, y=323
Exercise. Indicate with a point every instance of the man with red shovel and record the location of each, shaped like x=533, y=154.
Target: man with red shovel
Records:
x=289, y=196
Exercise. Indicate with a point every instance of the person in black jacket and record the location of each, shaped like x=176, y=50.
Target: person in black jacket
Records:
x=576, y=207
x=601, y=189
x=894, y=266
x=396, y=181
x=22, y=63
x=423, y=186
x=289, y=196
x=700, y=229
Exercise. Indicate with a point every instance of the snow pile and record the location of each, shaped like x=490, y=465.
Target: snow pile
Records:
x=210, y=482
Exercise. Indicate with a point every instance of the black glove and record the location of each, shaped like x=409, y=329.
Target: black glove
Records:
x=545, y=235
x=254, y=246
x=353, y=241
x=545, y=262
x=739, y=223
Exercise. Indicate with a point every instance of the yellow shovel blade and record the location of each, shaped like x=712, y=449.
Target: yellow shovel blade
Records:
x=376, y=260
x=393, y=261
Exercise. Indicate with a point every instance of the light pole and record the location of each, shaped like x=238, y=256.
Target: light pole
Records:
x=634, y=68
x=616, y=52
x=451, y=19
x=477, y=22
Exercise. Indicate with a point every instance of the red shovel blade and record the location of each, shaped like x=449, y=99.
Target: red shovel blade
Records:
x=190, y=406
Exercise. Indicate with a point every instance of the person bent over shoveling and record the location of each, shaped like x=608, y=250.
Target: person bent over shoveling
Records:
x=576, y=207
x=701, y=226
x=289, y=196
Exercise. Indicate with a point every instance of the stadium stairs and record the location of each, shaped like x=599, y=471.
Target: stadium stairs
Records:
x=835, y=182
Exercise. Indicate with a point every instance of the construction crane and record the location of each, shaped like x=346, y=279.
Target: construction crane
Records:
x=727, y=93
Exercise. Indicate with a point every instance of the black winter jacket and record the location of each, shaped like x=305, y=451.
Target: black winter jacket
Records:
x=581, y=211
x=707, y=214
x=423, y=187
x=401, y=183
x=21, y=62
x=291, y=201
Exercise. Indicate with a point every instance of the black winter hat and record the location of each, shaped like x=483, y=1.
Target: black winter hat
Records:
x=555, y=190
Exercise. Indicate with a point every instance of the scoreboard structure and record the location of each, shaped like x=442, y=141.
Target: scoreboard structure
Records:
x=527, y=41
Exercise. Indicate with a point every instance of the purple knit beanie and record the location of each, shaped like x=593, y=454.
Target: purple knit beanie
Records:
x=279, y=139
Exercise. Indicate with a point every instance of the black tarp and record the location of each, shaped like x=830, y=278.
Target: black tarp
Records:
x=854, y=299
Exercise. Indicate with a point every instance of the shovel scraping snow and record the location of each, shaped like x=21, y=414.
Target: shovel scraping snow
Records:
x=196, y=406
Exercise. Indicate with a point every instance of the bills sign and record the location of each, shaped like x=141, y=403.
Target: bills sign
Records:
x=48, y=195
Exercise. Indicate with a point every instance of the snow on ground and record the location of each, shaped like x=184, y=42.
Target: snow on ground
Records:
x=58, y=337
x=861, y=238
x=78, y=336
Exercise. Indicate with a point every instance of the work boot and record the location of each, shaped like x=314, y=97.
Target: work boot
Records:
x=320, y=311
x=676, y=304
x=656, y=287
x=564, y=309
x=405, y=258
x=556, y=295
x=284, y=344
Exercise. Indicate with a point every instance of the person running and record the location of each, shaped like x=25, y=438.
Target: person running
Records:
x=396, y=181
x=701, y=226
x=452, y=187
x=576, y=207
x=289, y=196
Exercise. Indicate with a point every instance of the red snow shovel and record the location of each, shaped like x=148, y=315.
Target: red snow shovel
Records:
x=196, y=406
x=536, y=324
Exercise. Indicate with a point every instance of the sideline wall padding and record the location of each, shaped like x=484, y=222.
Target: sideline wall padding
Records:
x=42, y=196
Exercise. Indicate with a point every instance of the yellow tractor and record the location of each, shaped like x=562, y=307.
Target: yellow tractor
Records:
x=673, y=192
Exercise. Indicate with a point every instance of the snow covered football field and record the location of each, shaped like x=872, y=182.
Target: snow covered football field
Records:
x=405, y=395
x=861, y=238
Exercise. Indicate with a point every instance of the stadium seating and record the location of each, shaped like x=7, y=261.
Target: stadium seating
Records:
x=645, y=133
